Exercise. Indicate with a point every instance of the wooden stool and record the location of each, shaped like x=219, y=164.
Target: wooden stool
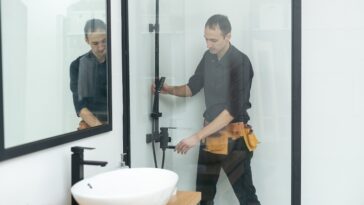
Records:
x=185, y=198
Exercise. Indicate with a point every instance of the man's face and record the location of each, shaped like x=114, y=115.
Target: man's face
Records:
x=97, y=42
x=216, y=42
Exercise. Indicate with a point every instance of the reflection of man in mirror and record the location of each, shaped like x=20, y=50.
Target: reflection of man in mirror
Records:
x=225, y=74
x=89, y=77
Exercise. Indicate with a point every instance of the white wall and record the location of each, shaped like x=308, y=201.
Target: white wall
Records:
x=44, y=177
x=332, y=102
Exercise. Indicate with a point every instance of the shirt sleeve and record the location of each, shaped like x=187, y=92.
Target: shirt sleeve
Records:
x=78, y=104
x=241, y=79
x=196, y=81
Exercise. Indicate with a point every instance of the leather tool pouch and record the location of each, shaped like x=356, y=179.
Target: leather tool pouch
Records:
x=246, y=131
x=218, y=142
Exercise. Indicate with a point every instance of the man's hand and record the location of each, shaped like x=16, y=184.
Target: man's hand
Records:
x=82, y=125
x=180, y=91
x=89, y=117
x=186, y=144
x=166, y=89
x=223, y=119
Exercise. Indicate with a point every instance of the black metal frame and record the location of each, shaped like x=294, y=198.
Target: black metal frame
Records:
x=126, y=87
x=8, y=153
x=296, y=95
x=296, y=104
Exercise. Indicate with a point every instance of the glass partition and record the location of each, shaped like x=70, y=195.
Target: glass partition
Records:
x=257, y=50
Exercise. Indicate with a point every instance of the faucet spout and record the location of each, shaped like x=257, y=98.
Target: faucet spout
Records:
x=97, y=163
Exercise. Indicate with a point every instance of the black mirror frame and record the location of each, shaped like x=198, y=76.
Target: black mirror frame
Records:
x=295, y=86
x=8, y=153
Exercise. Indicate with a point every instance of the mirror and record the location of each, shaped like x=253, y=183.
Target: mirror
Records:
x=55, y=66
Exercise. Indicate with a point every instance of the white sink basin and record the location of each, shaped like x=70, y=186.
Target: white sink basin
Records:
x=135, y=186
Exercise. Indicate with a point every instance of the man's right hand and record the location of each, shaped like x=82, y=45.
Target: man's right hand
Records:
x=89, y=117
x=82, y=125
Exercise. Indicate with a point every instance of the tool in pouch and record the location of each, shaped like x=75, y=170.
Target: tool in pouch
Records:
x=217, y=143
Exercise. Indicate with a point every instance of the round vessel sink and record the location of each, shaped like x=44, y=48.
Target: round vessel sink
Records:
x=135, y=186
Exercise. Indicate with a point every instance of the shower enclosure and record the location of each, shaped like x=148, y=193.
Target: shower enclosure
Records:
x=266, y=31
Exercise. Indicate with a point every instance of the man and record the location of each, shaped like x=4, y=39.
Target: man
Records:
x=226, y=74
x=88, y=75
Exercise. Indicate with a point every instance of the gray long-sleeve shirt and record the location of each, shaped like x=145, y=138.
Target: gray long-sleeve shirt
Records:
x=226, y=84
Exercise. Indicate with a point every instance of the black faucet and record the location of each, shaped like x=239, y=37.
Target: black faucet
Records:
x=77, y=165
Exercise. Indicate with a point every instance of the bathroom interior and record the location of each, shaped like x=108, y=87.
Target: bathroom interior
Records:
x=295, y=95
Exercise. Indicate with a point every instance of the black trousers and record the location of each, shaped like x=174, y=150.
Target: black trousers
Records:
x=236, y=165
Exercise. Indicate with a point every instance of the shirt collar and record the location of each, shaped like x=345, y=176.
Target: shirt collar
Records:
x=225, y=59
x=91, y=55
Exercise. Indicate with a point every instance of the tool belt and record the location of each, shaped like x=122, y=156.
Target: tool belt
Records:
x=217, y=143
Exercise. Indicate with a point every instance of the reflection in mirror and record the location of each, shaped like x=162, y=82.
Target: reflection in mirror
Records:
x=45, y=53
x=89, y=77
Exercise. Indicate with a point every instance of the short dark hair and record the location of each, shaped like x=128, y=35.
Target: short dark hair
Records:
x=219, y=20
x=93, y=25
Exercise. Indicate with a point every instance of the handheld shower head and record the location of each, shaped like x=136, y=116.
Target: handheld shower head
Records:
x=160, y=84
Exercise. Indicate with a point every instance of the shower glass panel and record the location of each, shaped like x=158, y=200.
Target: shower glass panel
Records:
x=262, y=31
